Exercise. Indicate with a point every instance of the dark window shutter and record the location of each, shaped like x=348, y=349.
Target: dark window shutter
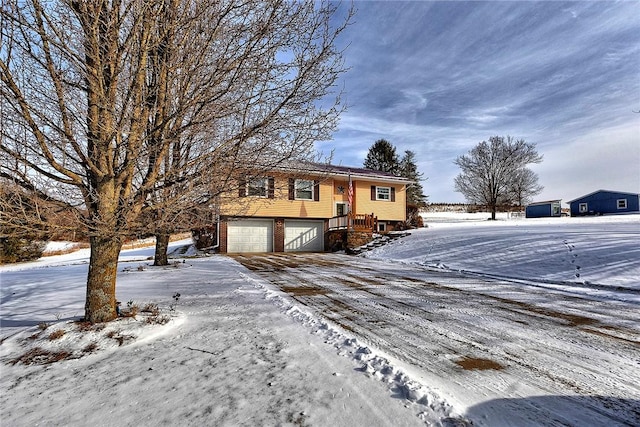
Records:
x=373, y=192
x=242, y=187
x=271, y=188
x=292, y=189
x=393, y=194
x=316, y=190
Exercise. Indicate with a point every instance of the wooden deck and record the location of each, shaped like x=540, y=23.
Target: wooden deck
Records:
x=356, y=222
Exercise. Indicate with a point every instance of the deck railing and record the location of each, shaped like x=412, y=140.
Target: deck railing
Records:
x=357, y=222
x=338, y=222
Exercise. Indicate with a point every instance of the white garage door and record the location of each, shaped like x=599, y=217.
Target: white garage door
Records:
x=250, y=236
x=303, y=236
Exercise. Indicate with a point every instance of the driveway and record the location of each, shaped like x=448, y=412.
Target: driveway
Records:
x=518, y=352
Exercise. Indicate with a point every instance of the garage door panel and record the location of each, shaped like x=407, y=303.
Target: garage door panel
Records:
x=250, y=236
x=303, y=236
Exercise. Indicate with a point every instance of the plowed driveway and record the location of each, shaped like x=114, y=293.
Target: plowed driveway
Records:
x=517, y=351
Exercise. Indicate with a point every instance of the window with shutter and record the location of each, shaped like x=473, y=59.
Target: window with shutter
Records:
x=257, y=187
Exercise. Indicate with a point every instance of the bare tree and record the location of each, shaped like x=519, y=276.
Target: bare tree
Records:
x=524, y=186
x=490, y=171
x=122, y=107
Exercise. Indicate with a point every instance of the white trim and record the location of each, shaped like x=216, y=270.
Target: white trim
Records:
x=264, y=188
x=345, y=210
x=387, y=199
x=295, y=189
x=624, y=202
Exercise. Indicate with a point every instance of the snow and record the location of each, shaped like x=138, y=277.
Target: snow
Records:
x=237, y=350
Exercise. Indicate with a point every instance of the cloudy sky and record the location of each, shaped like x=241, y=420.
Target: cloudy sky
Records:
x=438, y=77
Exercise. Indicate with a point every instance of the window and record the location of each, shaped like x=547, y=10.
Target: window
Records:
x=622, y=203
x=383, y=193
x=304, y=189
x=341, y=209
x=257, y=187
x=582, y=207
x=382, y=227
x=387, y=194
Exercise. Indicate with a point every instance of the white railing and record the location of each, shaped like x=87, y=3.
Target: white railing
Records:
x=338, y=222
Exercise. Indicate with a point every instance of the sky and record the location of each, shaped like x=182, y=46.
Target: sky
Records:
x=439, y=77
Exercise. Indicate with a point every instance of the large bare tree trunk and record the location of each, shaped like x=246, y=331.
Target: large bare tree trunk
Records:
x=162, y=243
x=100, y=305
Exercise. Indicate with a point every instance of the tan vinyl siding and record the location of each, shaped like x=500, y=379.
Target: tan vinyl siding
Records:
x=281, y=206
x=385, y=210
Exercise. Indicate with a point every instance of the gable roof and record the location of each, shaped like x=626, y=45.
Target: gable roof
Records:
x=603, y=191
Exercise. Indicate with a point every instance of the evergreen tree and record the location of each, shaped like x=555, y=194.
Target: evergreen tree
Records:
x=409, y=170
x=382, y=157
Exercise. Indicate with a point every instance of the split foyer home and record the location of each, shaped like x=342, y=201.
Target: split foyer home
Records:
x=317, y=207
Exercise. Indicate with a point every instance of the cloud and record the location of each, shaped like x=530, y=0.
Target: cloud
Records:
x=439, y=77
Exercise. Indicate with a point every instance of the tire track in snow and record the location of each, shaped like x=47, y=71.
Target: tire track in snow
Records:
x=429, y=326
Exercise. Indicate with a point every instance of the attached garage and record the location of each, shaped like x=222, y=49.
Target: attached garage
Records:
x=250, y=235
x=303, y=236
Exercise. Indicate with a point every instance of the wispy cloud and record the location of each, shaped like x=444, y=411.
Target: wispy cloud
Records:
x=439, y=77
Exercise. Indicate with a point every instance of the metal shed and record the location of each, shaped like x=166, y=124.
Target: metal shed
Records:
x=550, y=208
x=605, y=202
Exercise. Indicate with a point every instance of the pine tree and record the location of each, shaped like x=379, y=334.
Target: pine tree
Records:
x=409, y=170
x=382, y=157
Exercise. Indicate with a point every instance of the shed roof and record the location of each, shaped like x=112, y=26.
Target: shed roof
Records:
x=545, y=202
x=603, y=191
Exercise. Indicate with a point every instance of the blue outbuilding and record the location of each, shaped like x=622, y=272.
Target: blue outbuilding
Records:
x=605, y=202
x=543, y=209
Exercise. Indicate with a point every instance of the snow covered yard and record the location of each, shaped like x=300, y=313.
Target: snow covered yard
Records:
x=244, y=349
x=235, y=353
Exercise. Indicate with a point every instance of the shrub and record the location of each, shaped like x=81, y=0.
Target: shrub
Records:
x=17, y=249
x=204, y=237
x=40, y=356
x=151, y=308
x=56, y=334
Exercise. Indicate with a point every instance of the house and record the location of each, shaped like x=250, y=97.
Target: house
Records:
x=307, y=208
x=546, y=209
x=605, y=202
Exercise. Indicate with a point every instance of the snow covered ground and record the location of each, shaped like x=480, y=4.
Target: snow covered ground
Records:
x=237, y=351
